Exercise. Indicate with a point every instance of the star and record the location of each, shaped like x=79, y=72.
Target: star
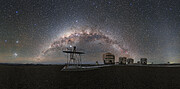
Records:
x=130, y=4
x=109, y=2
x=77, y=21
x=17, y=42
x=170, y=9
x=15, y=54
x=17, y=12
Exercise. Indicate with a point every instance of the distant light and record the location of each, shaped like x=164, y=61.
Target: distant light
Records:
x=17, y=12
x=170, y=9
x=70, y=46
x=109, y=2
x=15, y=54
x=130, y=4
x=172, y=62
x=77, y=21
x=77, y=34
x=17, y=42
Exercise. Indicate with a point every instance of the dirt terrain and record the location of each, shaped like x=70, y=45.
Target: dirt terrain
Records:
x=114, y=77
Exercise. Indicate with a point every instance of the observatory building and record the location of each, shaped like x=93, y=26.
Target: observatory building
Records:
x=109, y=58
x=122, y=60
x=130, y=61
x=143, y=61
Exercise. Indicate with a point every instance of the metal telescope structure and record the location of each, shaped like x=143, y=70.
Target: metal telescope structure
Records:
x=73, y=58
x=74, y=61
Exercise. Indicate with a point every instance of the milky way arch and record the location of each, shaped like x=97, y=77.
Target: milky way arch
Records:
x=85, y=35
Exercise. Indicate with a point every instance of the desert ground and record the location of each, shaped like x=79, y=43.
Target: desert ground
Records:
x=114, y=77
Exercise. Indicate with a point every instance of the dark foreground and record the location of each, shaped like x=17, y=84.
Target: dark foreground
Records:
x=116, y=77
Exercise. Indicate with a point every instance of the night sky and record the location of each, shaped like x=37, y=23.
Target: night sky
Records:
x=36, y=31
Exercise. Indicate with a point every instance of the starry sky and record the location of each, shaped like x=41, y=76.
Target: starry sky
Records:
x=36, y=31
